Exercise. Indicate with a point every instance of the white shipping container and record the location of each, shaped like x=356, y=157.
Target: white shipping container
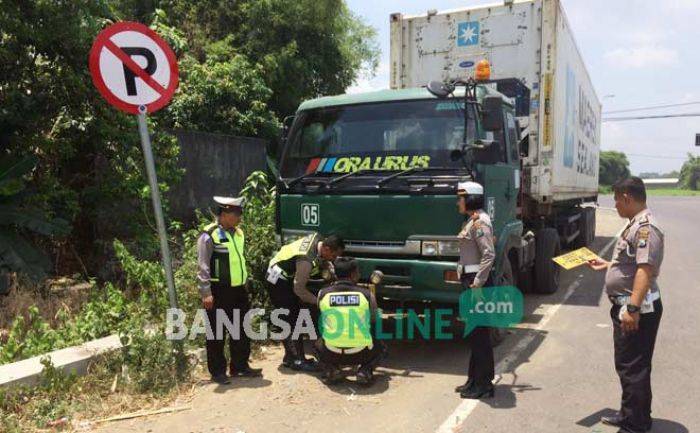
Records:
x=529, y=40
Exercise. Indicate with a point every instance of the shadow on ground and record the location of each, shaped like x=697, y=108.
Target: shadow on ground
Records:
x=658, y=425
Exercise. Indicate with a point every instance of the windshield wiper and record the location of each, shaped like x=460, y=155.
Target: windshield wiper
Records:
x=412, y=170
x=347, y=175
x=299, y=179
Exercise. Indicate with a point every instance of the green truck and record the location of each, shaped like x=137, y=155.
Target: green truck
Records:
x=381, y=170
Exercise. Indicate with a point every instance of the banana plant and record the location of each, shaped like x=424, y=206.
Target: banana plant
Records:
x=17, y=253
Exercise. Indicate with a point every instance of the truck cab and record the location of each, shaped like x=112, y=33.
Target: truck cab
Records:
x=381, y=169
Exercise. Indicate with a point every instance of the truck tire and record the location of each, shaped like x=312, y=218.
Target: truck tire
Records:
x=506, y=279
x=546, y=271
x=524, y=280
x=586, y=228
x=591, y=225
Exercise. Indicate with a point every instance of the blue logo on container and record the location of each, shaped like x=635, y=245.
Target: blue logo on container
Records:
x=468, y=33
x=466, y=64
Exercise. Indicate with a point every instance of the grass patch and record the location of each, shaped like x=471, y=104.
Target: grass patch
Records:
x=607, y=189
x=672, y=192
x=145, y=376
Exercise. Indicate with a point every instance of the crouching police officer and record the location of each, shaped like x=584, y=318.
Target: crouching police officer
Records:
x=347, y=312
x=222, y=278
x=630, y=283
x=287, y=275
x=476, y=258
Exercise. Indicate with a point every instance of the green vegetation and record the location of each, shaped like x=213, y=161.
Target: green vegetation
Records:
x=72, y=180
x=17, y=254
x=145, y=296
x=128, y=380
x=244, y=65
x=690, y=173
x=672, y=192
x=148, y=365
x=613, y=167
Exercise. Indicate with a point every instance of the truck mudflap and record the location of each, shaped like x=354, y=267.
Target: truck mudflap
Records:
x=509, y=238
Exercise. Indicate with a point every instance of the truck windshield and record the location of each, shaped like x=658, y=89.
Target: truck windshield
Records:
x=380, y=136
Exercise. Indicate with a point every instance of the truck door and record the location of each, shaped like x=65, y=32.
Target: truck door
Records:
x=502, y=179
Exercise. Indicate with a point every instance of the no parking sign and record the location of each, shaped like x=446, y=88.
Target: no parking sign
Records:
x=132, y=66
x=136, y=71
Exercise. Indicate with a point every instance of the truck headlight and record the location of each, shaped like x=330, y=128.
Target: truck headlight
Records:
x=448, y=248
x=440, y=248
x=430, y=248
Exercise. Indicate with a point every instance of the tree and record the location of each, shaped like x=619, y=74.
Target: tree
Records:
x=17, y=253
x=242, y=65
x=613, y=167
x=690, y=173
x=226, y=94
x=308, y=48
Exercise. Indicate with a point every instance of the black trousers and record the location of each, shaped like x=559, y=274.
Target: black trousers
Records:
x=226, y=300
x=481, y=361
x=366, y=358
x=633, y=353
x=282, y=296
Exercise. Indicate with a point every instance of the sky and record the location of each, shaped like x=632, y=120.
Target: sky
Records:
x=638, y=53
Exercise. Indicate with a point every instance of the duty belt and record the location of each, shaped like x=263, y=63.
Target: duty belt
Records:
x=467, y=269
x=348, y=351
x=621, y=300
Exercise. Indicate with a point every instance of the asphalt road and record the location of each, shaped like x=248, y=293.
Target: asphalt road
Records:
x=555, y=371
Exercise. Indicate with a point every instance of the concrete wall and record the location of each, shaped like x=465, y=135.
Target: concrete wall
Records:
x=215, y=164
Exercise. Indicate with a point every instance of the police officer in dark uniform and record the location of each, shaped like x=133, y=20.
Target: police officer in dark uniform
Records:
x=477, y=255
x=222, y=278
x=630, y=283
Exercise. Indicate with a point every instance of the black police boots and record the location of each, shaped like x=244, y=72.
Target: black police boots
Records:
x=618, y=421
x=245, y=372
x=461, y=388
x=476, y=392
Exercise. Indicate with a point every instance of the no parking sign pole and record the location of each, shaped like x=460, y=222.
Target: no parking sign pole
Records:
x=136, y=71
x=157, y=206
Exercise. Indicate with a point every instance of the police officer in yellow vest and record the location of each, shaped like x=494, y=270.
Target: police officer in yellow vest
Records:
x=347, y=313
x=222, y=278
x=287, y=275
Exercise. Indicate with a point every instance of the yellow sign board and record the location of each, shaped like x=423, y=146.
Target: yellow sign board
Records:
x=575, y=258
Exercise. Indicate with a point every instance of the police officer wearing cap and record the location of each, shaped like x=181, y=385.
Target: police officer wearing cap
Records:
x=222, y=278
x=630, y=283
x=476, y=258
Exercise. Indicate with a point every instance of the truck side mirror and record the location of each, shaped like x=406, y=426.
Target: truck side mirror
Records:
x=275, y=146
x=286, y=126
x=492, y=113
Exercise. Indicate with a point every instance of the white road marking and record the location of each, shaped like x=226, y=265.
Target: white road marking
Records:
x=466, y=407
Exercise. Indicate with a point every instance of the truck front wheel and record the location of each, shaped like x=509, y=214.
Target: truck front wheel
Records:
x=547, y=246
x=506, y=279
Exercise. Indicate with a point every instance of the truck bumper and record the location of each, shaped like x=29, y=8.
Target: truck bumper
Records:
x=414, y=280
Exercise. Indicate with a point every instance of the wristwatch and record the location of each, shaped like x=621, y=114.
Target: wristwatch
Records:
x=631, y=308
